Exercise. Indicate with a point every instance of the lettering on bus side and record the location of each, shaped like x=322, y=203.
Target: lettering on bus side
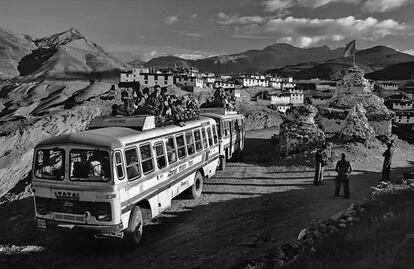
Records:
x=182, y=167
x=190, y=162
x=172, y=172
x=184, y=183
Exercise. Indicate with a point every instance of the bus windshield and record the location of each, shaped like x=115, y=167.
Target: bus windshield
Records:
x=49, y=164
x=89, y=165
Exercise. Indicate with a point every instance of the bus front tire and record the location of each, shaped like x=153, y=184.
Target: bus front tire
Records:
x=197, y=187
x=222, y=165
x=135, y=226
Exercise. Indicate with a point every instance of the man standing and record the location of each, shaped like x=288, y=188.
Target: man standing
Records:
x=321, y=160
x=386, y=167
x=344, y=169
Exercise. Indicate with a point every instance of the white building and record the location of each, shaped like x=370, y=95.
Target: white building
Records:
x=250, y=82
x=281, y=99
x=191, y=81
x=404, y=117
x=403, y=105
x=223, y=84
x=148, y=78
x=281, y=83
x=390, y=86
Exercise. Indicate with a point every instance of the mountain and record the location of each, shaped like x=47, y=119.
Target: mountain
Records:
x=401, y=71
x=13, y=47
x=276, y=55
x=136, y=63
x=65, y=55
x=69, y=55
x=369, y=60
x=169, y=61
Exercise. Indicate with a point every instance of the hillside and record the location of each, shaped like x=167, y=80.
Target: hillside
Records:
x=399, y=71
x=69, y=55
x=369, y=60
x=65, y=55
x=276, y=55
x=136, y=63
x=13, y=47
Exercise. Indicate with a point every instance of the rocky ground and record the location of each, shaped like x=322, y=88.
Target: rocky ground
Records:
x=246, y=211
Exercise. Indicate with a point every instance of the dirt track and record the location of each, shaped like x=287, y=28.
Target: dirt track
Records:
x=243, y=213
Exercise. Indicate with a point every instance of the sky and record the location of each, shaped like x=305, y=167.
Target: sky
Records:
x=143, y=29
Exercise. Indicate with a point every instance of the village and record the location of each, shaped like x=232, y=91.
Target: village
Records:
x=284, y=94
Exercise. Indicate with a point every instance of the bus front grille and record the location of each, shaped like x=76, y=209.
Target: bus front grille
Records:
x=72, y=218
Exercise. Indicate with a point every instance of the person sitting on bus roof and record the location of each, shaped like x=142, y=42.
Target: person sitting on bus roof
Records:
x=156, y=102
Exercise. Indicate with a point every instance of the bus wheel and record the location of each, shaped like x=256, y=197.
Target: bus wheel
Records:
x=222, y=161
x=197, y=187
x=135, y=226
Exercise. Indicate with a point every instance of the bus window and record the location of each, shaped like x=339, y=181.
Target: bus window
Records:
x=203, y=131
x=146, y=158
x=132, y=164
x=232, y=126
x=210, y=137
x=181, y=146
x=118, y=165
x=49, y=164
x=226, y=128
x=190, y=143
x=219, y=129
x=197, y=138
x=171, y=152
x=160, y=155
x=215, y=134
x=89, y=165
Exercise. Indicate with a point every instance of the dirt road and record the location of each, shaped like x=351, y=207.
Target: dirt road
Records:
x=245, y=211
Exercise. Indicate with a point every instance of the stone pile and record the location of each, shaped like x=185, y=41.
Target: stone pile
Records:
x=351, y=91
x=298, y=132
x=357, y=128
x=309, y=239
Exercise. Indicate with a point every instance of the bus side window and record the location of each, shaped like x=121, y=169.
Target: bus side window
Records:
x=160, y=155
x=232, y=126
x=132, y=164
x=210, y=137
x=190, y=143
x=215, y=134
x=118, y=165
x=203, y=131
x=226, y=128
x=171, y=152
x=197, y=138
x=146, y=158
x=219, y=129
x=181, y=146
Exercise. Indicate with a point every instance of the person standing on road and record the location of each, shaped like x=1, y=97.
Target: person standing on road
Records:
x=344, y=169
x=321, y=160
x=386, y=167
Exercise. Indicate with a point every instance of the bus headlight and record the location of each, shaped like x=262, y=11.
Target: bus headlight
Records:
x=41, y=210
x=103, y=216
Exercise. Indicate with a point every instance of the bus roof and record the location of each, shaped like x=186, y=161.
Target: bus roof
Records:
x=116, y=137
x=222, y=117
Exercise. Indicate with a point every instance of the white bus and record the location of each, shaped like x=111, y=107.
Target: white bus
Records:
x=110, y=179
x=231, y=129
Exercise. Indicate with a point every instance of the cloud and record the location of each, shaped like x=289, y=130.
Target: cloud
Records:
x=409, y=51
x=384, y=5
x=194, y=16
x=378, y=6
x=280, y=5
x=224, y=19
x=304, y=32
x=171, y=19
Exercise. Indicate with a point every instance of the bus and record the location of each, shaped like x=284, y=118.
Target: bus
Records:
x=231, y=129
x=120, y=173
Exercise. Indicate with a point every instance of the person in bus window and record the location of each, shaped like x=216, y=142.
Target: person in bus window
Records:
x=172, y=156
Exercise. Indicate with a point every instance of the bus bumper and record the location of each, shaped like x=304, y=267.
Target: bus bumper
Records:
x=51, y=225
